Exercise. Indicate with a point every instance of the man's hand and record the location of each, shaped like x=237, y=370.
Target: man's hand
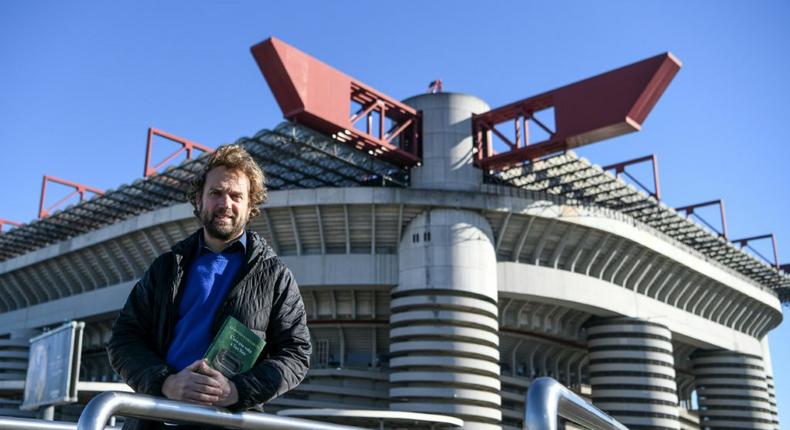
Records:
x=199, y=383
x=229, y=394
x=192, y=385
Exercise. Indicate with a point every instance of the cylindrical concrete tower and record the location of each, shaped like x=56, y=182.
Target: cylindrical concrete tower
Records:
x=14, y=354
x=444, y=336
x=731, y=391
x=632, y=372
x=769, y=380
x=447, y=142
x=444, y=329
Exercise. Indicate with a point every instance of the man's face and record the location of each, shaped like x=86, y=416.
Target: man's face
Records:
x=224, y=205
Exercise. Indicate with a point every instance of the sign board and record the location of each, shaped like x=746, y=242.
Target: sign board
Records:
x=53, y=367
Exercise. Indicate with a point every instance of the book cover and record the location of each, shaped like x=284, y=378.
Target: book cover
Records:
x=235, y=348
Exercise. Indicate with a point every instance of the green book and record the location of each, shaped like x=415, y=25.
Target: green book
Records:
x=234, y=349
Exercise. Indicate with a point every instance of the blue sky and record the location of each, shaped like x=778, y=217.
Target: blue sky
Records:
x=82, y=81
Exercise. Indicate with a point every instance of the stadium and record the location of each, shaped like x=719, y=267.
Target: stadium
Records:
x=441, y=274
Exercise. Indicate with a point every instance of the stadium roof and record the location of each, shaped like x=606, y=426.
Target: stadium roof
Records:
x=294, y=156
x=583, y=183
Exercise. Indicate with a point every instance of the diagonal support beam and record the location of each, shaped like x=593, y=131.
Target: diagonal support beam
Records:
x=744, y=243
x=689, y=210
x=5, y=222
x=620, y=169
x=187, y=146
x=80, y=189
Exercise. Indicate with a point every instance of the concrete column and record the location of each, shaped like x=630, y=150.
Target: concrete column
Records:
x=632, y=372
x=24, y=333
x=444, y=342
x=731, y=391
x=769, y=380
x=14, y=351
x=447, y=141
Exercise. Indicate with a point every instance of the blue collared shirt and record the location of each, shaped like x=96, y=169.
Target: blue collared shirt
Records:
x=208, y=281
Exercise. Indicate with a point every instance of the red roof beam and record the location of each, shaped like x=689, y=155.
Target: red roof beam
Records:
x=597, y=108
x=313, y=93
x=186, y=145
x=78, y=189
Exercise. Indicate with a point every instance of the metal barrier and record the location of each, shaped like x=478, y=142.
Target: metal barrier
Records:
x=547, y=399
x=105, y=405
x=14, y=423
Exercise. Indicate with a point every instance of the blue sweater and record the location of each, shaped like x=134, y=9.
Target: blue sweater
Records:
x=208, y=281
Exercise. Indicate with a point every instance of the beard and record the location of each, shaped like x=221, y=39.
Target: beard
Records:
x=226, y=228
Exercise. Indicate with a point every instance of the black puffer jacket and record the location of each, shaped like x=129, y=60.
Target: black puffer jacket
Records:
x=264, y=296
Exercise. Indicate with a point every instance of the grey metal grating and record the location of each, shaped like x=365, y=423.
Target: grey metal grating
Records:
x=294, y=156
x=579, y=182
x=291, y=155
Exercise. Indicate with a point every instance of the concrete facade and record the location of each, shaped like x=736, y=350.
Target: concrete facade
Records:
x=447, y=142
x=732, y=390
x=632, y=372
x=444, y=324
x=449, y=297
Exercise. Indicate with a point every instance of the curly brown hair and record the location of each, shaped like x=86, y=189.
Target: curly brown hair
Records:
x=232, y=157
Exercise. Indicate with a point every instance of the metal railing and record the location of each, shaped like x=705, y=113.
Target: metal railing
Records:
x=102, y=407
x=14, y=423
x=547, y=399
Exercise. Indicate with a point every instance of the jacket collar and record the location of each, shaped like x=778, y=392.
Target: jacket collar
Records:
x=241, y=241
x=256, y=246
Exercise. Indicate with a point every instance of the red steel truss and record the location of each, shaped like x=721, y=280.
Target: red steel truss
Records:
x=5, y=222
x=620, y=169
x=690, y=211
x=78, y=189
x=186, y=145
x=312, y=93
x=597, y=108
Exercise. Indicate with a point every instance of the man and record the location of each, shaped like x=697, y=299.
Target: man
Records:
x=178, y=306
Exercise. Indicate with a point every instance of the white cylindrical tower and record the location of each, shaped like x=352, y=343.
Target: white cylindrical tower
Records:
x=14, y=352
x=444, y=342
x=444, y=328
x=632, y=372
x=769, y=380
x=731, y=390
x=447, y=141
